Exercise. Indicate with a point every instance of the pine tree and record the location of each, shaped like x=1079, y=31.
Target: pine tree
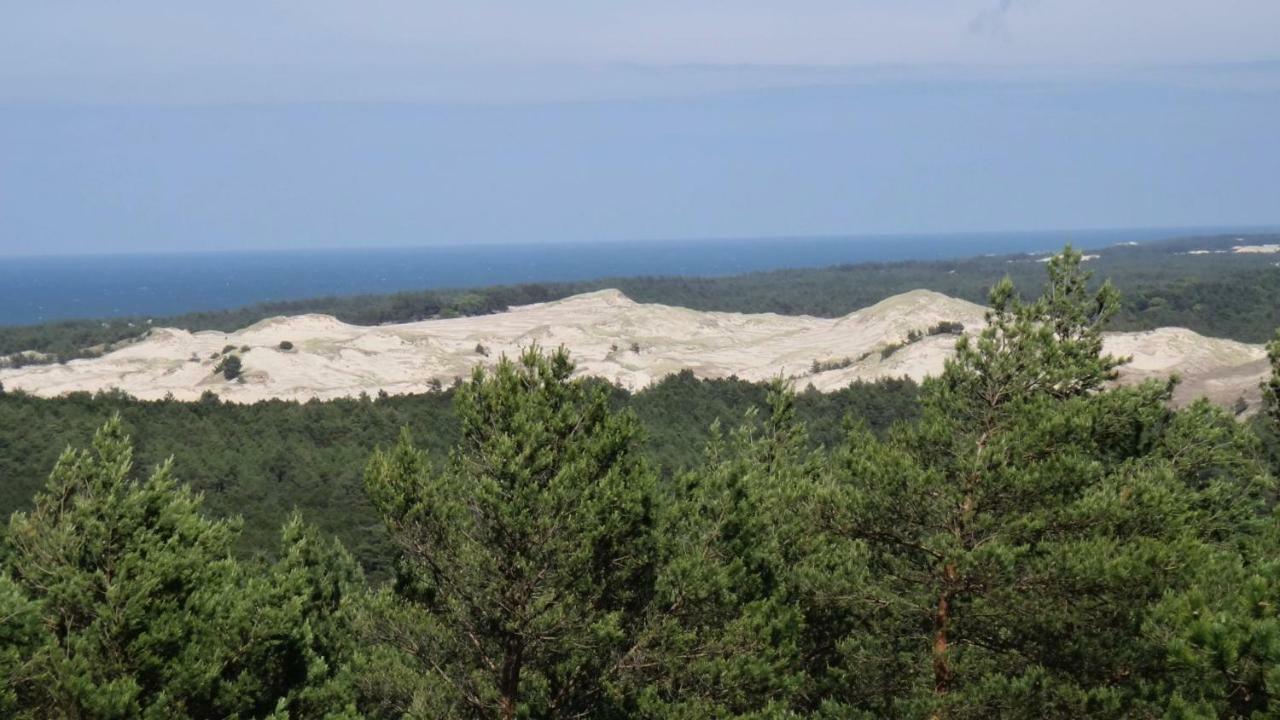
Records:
x=122, y=601
x=1222, y=634
x=524, y=562
x=726, y=635
x=20, y=635
x=1017, y=538
x=1271, y=389
x=1268, y=423
x=130, y=582
x=299, y=648
x=1222, y=639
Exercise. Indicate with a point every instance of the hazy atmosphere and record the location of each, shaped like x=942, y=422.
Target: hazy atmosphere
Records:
x=150, y=126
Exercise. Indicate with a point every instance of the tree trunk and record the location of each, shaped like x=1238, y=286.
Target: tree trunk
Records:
x=942, y=673
x=509, y=681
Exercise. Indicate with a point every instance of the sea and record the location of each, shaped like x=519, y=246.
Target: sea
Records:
x=36, y=289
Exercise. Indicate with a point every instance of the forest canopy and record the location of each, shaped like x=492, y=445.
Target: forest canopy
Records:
x=1028, y=540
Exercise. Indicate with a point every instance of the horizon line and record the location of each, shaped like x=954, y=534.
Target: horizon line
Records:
x=1225, y=228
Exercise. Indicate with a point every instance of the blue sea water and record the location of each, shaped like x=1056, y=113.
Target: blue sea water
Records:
x=39, y=289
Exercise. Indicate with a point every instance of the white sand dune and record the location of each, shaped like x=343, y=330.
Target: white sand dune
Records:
x=610, y=336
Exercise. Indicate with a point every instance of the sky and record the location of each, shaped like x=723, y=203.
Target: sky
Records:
x=145, y=125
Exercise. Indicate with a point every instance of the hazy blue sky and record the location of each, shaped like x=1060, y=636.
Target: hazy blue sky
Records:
x=146, y=125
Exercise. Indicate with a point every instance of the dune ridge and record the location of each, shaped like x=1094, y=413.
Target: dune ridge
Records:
x=612, y=337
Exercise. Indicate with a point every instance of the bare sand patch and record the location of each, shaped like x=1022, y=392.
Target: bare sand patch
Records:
x=612, y=337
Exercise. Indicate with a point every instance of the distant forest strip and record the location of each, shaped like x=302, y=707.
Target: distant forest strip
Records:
x=263, y=461
x=1220, y=294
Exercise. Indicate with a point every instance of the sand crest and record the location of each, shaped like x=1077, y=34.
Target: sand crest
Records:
x=612, y=337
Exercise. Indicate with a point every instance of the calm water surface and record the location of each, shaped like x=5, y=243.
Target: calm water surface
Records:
x=37, y=289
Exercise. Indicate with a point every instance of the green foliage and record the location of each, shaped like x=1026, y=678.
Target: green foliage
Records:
x=1267, y=423
x=117, y=569
x=143, y=610
x=263, y=461
x=821, y=366
x=1018, y=538
x=1051, y=347
x=946, y=327
x=230, y=366
x=888, y=350
x=286, y=345
x=523, y=561
x=1271, y=390
x=725, y=635
x=1222, y=641
x=21, y=635
x=314, y=592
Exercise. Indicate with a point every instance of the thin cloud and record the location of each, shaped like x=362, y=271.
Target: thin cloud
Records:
x=504, y=50
x=991, y=22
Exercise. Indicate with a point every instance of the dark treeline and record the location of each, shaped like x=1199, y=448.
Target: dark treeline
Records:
x=263, y=461
x=1223, y=295
x=1034, y=543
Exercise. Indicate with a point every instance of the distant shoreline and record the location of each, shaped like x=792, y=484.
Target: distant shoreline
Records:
x=39, y=289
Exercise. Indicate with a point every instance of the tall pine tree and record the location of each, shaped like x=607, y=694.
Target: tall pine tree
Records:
x=1020, y=535
x=524, y=563
x=726, y=635
x=120, y=600
x=1223, y=634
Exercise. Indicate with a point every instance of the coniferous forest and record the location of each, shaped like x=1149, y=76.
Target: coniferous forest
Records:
x=1015, y=538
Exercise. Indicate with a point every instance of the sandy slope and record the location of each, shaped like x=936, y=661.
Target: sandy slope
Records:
x=332, y=359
